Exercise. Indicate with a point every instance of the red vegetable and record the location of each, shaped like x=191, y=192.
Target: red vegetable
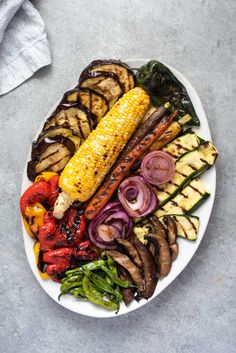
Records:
x=60, y=260
x=110, y=224
x=137, y=197
x=157, y=167
x=54, y=189
x=38, y=192
x=67, y=232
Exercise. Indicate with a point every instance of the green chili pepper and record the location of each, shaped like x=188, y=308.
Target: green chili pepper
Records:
x=95, y=296
x=99, y=282
x=78, y=293
x=109, y=280
x=75, y=271
x=66, y=287
x=94, y=265
x=72, y=279
x=116, y=279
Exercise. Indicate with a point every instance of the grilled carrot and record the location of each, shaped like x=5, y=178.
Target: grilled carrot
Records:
x=110, y=186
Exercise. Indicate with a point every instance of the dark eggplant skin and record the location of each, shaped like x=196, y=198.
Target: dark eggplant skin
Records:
x=94, y=74
x=164, y=86
x=64, y=106
x=39, y=147
x=97, y=63
x=77, y=90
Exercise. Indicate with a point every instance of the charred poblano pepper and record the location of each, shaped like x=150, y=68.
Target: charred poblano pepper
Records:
x=163, y=86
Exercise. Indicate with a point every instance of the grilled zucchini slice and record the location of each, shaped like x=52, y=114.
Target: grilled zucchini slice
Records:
x=95, y=102
x=74, y=117
x=123, y=71
x=187, y=226
x=188, y=167
x=185, y=143
x=106, y=83
x=191, y=197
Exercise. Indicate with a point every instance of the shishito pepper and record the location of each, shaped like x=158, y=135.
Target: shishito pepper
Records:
x=95, y=296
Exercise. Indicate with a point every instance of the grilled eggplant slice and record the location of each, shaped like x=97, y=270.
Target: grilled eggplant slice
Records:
x=191, y=197
x=60, y=131
x=74, y=117
x=117, y=67
x=106, y=83
x=188, y=167
x=50, y=154
x=95, y=102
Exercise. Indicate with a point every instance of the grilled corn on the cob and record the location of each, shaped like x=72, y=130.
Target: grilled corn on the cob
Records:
x=88, y=167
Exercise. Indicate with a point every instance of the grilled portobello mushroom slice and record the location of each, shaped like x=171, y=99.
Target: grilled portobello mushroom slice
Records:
x=149, y=268
x=117, y=67
x=103, y=82
x=127, y=293
x=60, y=131
x=75, y=117
x=50, y=154
x=95, y=102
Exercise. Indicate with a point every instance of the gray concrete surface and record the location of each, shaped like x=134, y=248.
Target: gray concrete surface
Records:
x=196, y=313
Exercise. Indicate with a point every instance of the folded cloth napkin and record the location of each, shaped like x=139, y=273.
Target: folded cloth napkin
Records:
x=24, y=47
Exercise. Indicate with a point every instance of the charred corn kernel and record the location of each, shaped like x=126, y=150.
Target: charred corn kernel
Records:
x=36, y=248
x=87, y=168
x=45, y=176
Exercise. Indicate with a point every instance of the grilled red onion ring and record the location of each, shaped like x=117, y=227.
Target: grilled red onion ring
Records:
x=137, y=196
x=110, y=224
x=158, y=167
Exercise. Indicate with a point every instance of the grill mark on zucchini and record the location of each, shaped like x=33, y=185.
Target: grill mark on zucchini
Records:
x=184, y=231
x=192, y=224
x=199, y=192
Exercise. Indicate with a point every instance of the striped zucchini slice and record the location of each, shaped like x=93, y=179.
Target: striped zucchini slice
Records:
x=187, y=226
x=188, y=167
x=182, y=145
x=191, y=197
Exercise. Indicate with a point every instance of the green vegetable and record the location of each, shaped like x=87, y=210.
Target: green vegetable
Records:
x=191, y=197
x=99, y=282
x=188, y=167
x=183, y=144
x=187, y=226
x=94, y=265
x=164, y=86
x=96, y=297
x=116, y=279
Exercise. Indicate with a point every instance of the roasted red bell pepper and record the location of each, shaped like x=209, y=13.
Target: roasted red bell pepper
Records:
x=68, y=232
x=60, y=260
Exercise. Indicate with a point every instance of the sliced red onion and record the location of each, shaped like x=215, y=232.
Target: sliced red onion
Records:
x=110, y=224
x=137, y=196
x=158, y=167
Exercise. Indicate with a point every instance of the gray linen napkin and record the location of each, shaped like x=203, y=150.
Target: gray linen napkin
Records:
x=24, y=47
